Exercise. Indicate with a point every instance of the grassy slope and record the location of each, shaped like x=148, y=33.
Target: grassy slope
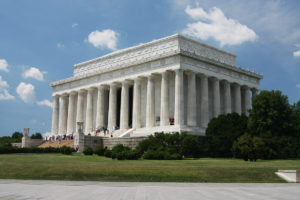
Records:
x=80, y=167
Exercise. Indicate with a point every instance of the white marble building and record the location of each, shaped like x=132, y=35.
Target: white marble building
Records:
x=171, y=84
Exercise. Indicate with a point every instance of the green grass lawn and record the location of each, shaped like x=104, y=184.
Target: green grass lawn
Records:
x=96, y=168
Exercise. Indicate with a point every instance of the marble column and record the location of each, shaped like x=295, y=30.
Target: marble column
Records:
x=179, y=100
x=89, y=111
x=112, y=107
x=246, y=100
x=191, y=98
x=237, y=96
x=164, y=106
x=204, y=115
x=136, y=114
x=55, y=114
x=150, y=107
x=216, y=97
x=100, y=108
x=254, y=93
x=227, y=97
x=70, y=125
x=80, y=101
x=63, y=115
x=124, y=106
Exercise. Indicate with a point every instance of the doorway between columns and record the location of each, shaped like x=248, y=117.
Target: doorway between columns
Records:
x=130, y=104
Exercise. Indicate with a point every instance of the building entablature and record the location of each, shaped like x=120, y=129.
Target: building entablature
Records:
x=157, y=50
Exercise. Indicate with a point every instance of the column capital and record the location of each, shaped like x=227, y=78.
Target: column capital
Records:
x=189, y=72
x=245, y=87
x=254, y=89
x=82, y=91
x=236, y=84
x=64, y=95
x=213, y=78
x=137, y=80
x=56, y=96
x=150, y=77
x=125, y=83
x=91, y=89
x=202, y=75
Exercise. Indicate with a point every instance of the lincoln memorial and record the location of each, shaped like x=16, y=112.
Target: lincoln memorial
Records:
x=170, y=84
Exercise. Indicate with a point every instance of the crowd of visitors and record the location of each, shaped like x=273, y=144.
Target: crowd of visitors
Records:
x=59, y=137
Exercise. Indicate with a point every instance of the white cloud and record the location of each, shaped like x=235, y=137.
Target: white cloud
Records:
x=34, y=73
x=298, y=85
x=296, y=54
x=26, y=92
x=45, y=102
x=3, y=65
x=4, y=94
x=3, y=84
x=74, y=25
x=60, y=45
x=297, y=45
x=106, y=38
x=214, y=24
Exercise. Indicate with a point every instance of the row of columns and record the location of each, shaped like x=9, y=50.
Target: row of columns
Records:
x=64, y=117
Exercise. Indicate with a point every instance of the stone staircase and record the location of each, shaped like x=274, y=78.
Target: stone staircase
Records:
x=56, y=144
x=116, y=133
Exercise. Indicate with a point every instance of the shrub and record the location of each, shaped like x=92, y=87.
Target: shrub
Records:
x=88, y=151
x=133, y=155
x=108, y=153
x=160, y=155
x=248, y=147
x=100, y=151
x=119, y=152
x=222, y=132
x=7, y=150
x=190, y=146
x=67, y=150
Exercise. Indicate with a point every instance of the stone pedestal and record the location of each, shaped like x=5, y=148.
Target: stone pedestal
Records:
x=79, y=138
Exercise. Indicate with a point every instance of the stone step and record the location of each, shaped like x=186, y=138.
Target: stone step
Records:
x=57, y=144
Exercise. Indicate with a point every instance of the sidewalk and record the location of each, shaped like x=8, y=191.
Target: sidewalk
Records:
x=77, y=190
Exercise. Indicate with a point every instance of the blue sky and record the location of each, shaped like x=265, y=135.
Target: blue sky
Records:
x=40, y=41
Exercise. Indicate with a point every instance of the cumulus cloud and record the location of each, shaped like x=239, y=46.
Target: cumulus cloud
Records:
x=296, y=54
x=214, y=24
x=4, y=94
x=34, y=73
x=104, y=39
x=26, y=92
x=45, y=102
x=60, y=45
x=3, y=65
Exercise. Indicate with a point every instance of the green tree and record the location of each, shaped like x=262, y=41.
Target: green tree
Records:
x=248, y=147
x=17, y=136
x=276, y=122
x=36, y=136
x=222, y=132
x=271, y=115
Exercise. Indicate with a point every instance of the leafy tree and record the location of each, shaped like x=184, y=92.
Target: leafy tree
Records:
x=271, y=115
x=222, y=132
x=36, y=136
x=17, y=136
x=276, y=122
x=5, y=141
x=248, y=147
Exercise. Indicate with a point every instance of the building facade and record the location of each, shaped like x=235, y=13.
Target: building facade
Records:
x=171, y=84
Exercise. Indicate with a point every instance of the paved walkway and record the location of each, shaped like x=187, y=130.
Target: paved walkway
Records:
x=73, y=190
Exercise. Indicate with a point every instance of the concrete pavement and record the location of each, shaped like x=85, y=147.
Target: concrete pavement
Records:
x=78, y=190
